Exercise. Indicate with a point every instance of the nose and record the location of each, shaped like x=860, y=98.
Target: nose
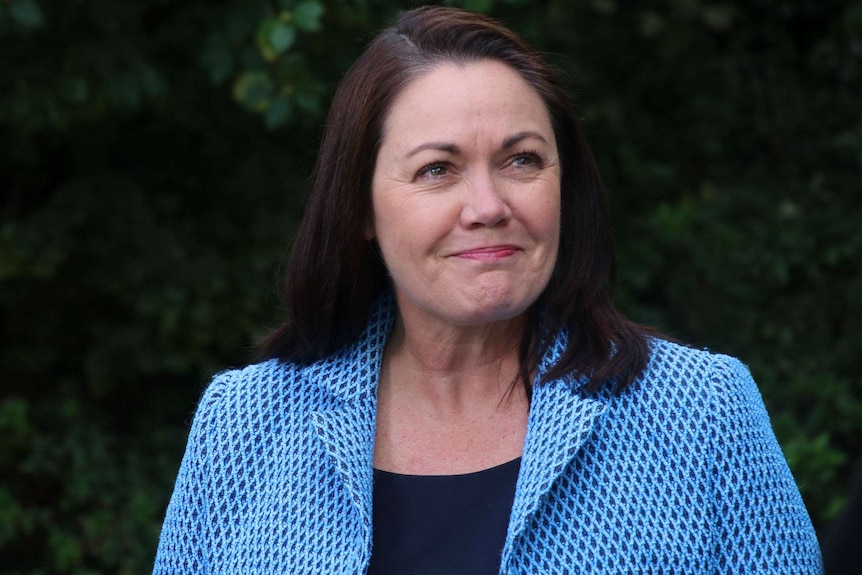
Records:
x=485, y=204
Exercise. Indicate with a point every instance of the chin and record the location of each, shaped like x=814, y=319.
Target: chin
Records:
x=487, y=312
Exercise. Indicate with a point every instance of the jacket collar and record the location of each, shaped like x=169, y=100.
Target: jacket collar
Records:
x=346, y=427
x=351, y=374
x=561, y=419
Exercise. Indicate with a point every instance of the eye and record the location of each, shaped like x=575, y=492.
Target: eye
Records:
x=434, y=170
x=526, y=160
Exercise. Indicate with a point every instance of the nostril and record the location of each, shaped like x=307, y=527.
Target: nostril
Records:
x=485, y=204
x=486, y=213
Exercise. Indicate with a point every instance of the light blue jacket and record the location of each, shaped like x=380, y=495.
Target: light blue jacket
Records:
x=679, y=474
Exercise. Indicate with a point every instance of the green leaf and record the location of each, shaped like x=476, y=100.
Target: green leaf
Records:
x=281, y=37
x=27, y=13
x=274, y=37
x=254, y=89
x=309, y=103
x=279, y=113
x=217, y=58
x=307, y=15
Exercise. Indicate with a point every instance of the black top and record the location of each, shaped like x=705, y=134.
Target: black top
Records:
x=436, y=524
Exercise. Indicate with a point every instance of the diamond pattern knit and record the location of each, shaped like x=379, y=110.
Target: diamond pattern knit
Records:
x=679, y=474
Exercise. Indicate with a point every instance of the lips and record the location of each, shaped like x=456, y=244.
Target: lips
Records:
x=487, y=253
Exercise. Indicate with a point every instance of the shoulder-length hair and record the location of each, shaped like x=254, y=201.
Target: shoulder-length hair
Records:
x=335, y=274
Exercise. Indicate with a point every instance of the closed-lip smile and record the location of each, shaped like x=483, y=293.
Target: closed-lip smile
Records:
x=486, y=253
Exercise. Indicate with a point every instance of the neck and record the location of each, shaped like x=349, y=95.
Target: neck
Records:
x=452, y=369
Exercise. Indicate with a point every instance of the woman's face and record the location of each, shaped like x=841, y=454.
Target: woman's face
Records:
x=466, y=195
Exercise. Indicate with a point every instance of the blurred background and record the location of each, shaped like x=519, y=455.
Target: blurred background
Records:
x=153, y=165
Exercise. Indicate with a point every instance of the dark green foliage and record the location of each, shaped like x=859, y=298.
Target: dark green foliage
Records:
x=152, y=165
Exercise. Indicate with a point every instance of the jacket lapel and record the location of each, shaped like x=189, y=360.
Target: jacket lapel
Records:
x=346, y=426
x=561, y=420
x=347, y=435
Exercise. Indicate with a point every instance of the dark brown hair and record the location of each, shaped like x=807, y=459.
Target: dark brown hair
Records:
x=335, y=275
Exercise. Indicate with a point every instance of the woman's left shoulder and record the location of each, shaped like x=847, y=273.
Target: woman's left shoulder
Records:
x=684, y=370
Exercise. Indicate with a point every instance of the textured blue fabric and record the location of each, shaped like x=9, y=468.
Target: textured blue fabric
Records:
x=679, y=474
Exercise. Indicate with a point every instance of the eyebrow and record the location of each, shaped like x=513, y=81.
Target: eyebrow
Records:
x=455, y=150
x=442, y=146
x=514, y=139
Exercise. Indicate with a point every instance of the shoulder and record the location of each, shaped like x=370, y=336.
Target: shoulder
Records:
x=255, y=380
x=678, y=368
x=279, y=388
x=715, y=391
x=260, y=408
x=694, y=389
x=252, y=392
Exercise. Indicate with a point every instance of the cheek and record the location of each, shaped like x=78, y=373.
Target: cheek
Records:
x=553, y=212
x=390, y=229
x=408, y=224
x=542, y=217
x=382, y=226
x=379, y=219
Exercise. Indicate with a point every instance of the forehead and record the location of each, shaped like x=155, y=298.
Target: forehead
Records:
x=453, y=97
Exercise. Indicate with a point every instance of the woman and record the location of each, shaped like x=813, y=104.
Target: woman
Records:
x=454, y=391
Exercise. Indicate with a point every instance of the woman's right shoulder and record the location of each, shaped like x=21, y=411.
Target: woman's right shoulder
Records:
x=258, y=388
x=251, y=379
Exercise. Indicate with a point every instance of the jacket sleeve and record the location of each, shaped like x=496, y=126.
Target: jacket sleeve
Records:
x=760, y=521
x=184, y=540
